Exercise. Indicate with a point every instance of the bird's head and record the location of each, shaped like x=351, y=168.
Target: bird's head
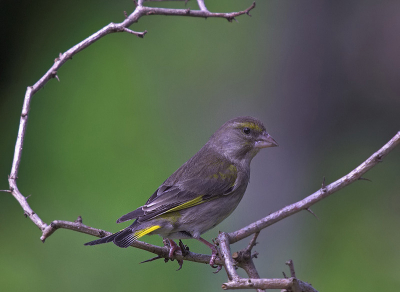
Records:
x=241, y=138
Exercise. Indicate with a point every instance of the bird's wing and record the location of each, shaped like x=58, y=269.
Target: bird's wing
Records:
x=187, y=187
x=195, y=182
x=131, y=215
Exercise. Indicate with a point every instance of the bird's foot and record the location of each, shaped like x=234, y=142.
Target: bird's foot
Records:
x=213, y=255
x=172, y=248
x=218, y=268
x=212, y=261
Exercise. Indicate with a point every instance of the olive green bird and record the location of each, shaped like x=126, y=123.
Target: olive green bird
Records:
x=202, y=192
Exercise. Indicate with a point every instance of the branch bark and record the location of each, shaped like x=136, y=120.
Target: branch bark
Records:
x=225, y=240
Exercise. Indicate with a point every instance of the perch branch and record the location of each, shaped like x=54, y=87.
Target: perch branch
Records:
x=160, y=251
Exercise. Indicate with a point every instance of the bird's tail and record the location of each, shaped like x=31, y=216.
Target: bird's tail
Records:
x=125, y=237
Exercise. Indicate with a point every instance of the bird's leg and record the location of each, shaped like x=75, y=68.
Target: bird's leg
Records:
x=213, y=254
x=172, y=248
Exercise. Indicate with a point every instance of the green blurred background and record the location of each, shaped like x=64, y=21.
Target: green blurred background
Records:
x=322, y=75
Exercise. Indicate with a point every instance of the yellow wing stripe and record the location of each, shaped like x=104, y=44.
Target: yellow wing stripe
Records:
x=196, y=201
x=143, y=232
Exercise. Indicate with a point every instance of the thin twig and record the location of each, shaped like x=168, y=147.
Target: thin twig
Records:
x=202, y=6
x=252, y=242
x=291, y=268
x=195, y=13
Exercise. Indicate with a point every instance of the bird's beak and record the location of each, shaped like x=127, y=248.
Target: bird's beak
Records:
x=265, y=140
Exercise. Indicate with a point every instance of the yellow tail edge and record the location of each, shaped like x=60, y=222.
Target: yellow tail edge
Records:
x=143, y=232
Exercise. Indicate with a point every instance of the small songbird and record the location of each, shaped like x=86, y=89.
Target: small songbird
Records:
x=202, y=192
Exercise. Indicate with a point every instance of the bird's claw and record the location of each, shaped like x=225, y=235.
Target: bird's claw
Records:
x=184, y=248
x=213, y=258
x=212, y=261
x=180, y=262
x=218, y=267
x=174, y=247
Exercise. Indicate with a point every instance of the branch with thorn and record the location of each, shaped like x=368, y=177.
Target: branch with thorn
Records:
x=242, y=259
x=320, y=194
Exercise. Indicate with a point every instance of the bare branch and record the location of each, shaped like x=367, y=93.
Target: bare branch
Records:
x=194, y=13
x=138, y=34
x=226, y=254
x=322, y=193
x=28, y=212
x=75, y=226
x=251, y=271
x=244, y=257
x=291, y=267
x=202, y=6
x=263, y=284
x=158, y=250
x=252, y=242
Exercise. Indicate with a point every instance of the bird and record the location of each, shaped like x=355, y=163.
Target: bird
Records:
x=202, y=192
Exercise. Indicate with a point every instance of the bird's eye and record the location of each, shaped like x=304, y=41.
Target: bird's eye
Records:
x=246, y=131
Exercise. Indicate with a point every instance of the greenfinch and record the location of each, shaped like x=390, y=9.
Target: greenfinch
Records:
x=202, y=192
